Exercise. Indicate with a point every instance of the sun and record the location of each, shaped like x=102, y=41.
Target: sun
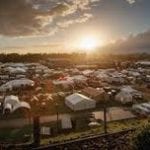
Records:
x=88, y=43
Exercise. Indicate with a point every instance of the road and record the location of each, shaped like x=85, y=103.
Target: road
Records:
x=114, y=114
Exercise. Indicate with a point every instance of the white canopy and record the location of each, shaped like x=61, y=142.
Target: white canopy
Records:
x=124, y=97
x=78, y=101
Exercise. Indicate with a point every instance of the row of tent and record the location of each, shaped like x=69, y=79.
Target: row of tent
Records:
x=78, y=101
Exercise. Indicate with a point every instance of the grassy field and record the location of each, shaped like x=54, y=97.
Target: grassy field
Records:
x=112, y=127
x=25, y=134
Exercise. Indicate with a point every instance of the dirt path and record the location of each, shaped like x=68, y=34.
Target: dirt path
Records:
x=17, y=123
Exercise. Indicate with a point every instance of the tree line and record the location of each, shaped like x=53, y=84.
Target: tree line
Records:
x=15, y=57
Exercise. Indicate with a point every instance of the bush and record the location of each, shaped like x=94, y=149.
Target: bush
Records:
x=141, y=140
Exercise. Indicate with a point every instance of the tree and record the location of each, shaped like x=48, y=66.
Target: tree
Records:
x=141, y=140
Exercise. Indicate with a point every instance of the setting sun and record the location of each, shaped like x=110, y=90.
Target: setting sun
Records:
x=88, y=43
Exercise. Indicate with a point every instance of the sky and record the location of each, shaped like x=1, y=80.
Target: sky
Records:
x=59, y=25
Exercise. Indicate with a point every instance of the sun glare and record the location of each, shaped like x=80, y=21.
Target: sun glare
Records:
x=88, y=43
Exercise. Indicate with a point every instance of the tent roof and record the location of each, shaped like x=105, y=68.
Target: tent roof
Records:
x=76, y=98
x=11, y=99
x=21, y=105
x=16, y=69
x=128, y=89
x=14, y=83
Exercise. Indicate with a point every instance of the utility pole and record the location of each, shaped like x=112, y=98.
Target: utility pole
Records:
x=105, y=111
x=107, y=96
x=36, y=131
x=105, y=119
x=57, y=116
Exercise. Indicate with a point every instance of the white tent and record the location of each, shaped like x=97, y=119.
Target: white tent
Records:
x=65, y=83
x=16, y=70
x=78, y=101
x=132, y=91
x=12, y=103
x=16, y=84
x=144, y=63
x=124, y=97
x=87, y=72
x=141, y=109
x=66, y=122
x=79, y=78
x=102, y=76
x=128, y=89
x=22, y=65
x=41, y=68
x=7, y=108
x=134, y=73
x=21, y=105
x=13, y=100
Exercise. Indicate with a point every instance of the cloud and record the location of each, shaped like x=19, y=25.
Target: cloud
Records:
x=39, y=17
x=131, y=1
x=83, y=18
x=133, y=43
